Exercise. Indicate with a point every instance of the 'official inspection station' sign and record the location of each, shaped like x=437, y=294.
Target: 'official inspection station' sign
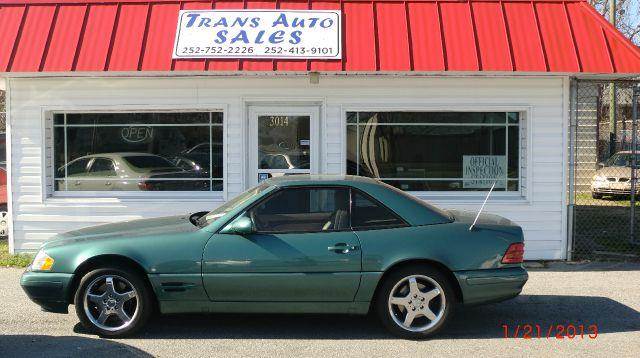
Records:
x=302, y=34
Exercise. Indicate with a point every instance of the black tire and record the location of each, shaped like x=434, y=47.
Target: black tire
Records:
x=595, y=195
x=144, y=302
x=395, y=277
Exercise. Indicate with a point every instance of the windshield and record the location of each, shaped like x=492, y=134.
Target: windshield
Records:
x=223, y=209
x=621, y=160
x=148, y=162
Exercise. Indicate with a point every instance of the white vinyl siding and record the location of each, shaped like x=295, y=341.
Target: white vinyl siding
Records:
x=37, y=216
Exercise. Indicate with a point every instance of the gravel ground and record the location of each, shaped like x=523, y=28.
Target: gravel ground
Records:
x=607, y=295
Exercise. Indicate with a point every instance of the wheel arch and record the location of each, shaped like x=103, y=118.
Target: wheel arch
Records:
x=420, y=262
x=99, y=261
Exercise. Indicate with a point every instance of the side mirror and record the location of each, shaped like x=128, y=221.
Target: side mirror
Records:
x=240, y=226
x=600, y=165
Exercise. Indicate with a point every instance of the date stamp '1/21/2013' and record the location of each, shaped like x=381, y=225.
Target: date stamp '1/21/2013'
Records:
x=556, y=331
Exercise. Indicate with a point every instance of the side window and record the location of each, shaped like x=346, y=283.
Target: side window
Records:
x=303, y=210
x=78, y=167
x=102, y=167
x=369, y=214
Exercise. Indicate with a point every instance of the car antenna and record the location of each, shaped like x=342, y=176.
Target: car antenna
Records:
x=482, y=207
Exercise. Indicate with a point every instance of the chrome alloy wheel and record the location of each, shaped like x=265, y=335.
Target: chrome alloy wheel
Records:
x=417, y=303
x=111, y=302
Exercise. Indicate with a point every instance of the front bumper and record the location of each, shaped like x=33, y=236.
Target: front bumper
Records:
x=606, y=191
x=485, y=286
x=612, y=188
x=47, y=289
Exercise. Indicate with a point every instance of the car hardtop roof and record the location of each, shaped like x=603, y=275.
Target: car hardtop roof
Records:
x=315, y=179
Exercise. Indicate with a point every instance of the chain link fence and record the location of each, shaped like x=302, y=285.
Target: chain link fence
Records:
x=603, y=188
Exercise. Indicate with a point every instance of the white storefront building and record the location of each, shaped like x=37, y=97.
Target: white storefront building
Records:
x=121, y=131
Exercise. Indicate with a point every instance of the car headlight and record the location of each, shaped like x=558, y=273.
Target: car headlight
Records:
x=42, y=262
x=599, y=178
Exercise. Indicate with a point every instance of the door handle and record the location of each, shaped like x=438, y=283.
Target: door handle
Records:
x=342, y=248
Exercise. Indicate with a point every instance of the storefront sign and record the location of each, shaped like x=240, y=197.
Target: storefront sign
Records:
x=481, y=171
x=303, y=34
x=136, y=134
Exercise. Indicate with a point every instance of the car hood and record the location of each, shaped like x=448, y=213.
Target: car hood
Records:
x=616, y=172
x=129, y=229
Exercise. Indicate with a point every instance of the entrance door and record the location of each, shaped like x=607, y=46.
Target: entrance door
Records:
x=283, y=141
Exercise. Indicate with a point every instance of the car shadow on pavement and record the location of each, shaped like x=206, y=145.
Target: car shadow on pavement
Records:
x=476, y=322
x=66, y=346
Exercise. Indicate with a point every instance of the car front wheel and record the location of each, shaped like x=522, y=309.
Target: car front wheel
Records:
x=415, y=303
x=113, y=302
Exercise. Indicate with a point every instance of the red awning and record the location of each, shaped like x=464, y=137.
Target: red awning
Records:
x=431, y=36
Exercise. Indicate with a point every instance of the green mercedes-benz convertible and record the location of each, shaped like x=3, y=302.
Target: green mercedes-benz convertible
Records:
x=295, y=244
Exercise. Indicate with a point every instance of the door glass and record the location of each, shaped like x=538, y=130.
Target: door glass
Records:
x=303, y=210
x=283, y=143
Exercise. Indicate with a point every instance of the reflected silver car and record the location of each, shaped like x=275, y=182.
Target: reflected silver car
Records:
x=117, y=171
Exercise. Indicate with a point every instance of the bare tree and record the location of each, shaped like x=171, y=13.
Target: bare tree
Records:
x=627, y=16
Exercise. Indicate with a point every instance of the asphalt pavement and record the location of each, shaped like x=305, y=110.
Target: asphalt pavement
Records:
x=565, y=295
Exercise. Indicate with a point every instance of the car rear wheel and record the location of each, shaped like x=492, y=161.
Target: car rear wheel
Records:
x=113, y=302
x=415, y=302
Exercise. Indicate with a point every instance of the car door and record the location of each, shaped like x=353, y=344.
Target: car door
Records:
x=302, y=249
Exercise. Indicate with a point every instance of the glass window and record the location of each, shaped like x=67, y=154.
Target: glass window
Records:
x=303, y=210
x=439, y=151
x=138, y=151
x=283, y=142
x=369, y=214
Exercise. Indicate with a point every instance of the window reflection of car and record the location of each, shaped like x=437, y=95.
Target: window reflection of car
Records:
x=276, y=161
x=283, y=161
x=202, y=153
x=190, y=165
x=614, y=176
x=121, y=171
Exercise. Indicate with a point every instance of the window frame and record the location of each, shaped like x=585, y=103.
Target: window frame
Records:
x=526, y=117
x=48, y=175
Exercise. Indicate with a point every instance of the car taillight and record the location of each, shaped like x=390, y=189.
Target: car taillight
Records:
x=144, y=185
x=514, y=254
